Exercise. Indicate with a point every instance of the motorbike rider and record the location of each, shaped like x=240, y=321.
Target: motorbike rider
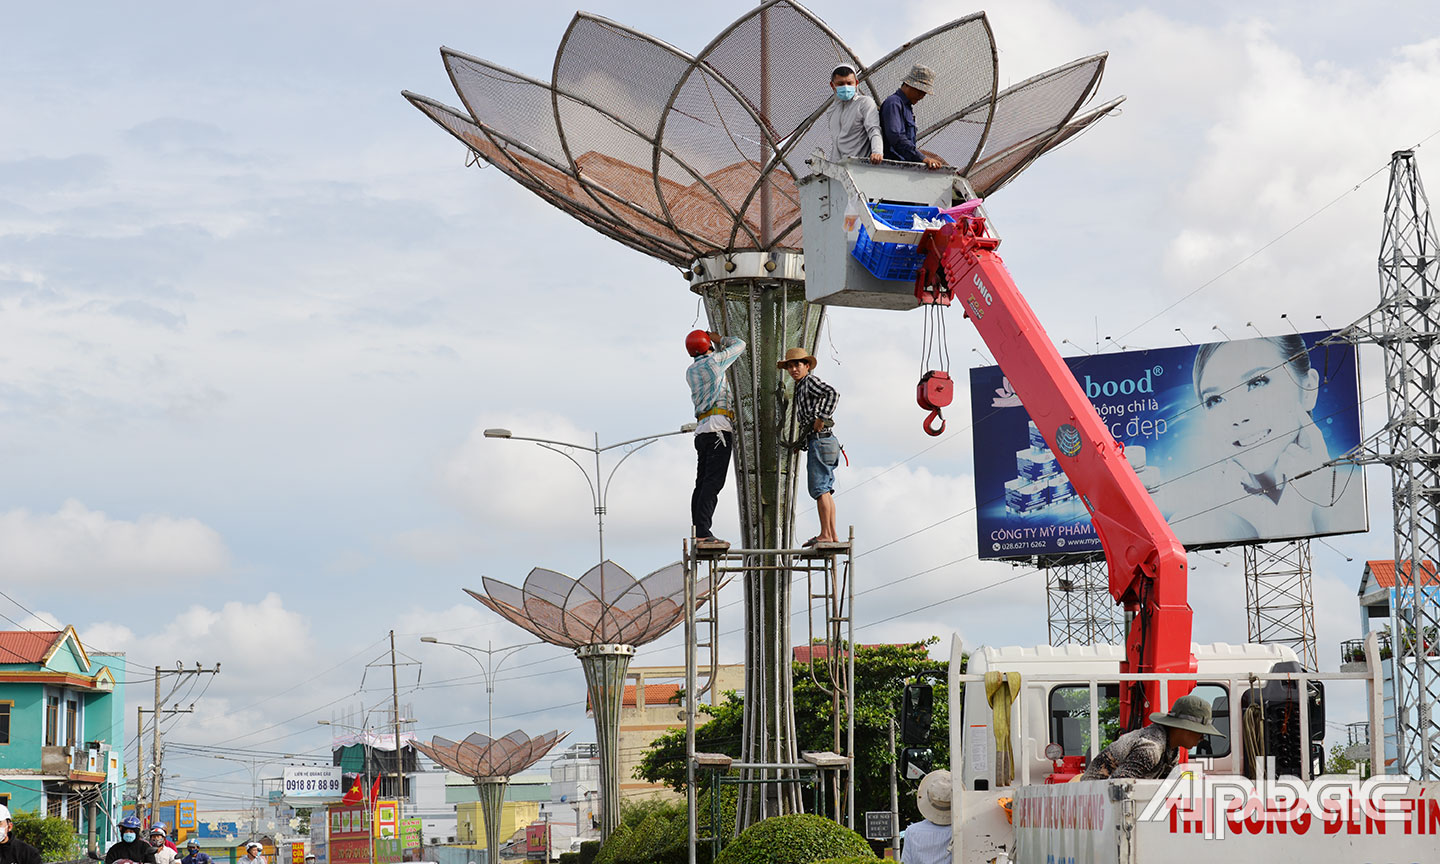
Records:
x=193, y=855
x=158, y=841
x=130, y=847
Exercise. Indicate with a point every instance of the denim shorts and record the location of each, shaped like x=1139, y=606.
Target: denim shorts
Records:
x=824, y=455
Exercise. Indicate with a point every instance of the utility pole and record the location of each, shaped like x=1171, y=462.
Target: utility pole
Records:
x=399, y=760
x=181, y=675
x=139, y=757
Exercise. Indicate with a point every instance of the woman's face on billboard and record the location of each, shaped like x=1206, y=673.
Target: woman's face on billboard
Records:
x=1254, y=403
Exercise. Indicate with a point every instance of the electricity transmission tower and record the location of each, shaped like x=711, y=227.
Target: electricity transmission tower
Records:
x=1406, y=326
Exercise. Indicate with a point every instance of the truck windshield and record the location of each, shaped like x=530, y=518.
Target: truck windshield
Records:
x=1070, y=718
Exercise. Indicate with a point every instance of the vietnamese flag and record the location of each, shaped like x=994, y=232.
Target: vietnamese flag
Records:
x=356, y=793
x=374, y=790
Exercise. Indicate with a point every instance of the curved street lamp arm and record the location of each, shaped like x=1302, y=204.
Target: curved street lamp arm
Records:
x=594, y=490
x=605, y=493
x=645, y=438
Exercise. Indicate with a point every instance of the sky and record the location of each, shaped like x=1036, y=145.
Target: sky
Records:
x=255, y=312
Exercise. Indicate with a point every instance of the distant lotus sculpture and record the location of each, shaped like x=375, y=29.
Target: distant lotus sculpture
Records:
x=490, y=763
x=693, y=159
x=603, y=616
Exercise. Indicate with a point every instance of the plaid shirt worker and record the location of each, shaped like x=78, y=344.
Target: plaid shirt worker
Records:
x=814, y=398
x=1144, y=754
x=706, y=377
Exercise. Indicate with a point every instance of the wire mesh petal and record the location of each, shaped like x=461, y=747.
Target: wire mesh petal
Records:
x=1043, y=103
x=610, y=162
x=631, y=73
x=575, y=612
x=480, y=756
x=553, y=184
x=990, y=175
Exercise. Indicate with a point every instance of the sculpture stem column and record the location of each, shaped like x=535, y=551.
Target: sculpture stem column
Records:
x=492, y=808
x=770, y=315
x=605, y=667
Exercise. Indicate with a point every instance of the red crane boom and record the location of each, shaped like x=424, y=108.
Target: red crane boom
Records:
x=1146, y=562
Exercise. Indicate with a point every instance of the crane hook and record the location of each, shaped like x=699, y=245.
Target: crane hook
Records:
x=934, y=431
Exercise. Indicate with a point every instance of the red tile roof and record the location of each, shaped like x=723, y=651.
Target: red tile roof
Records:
x=655, y=695
x=1384, y=572
x=25, y=646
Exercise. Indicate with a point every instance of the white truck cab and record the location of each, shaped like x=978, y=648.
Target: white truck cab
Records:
x=1068, y=698
x=1058, y=712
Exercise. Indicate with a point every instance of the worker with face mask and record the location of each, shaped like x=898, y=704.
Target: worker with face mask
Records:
x=130, y=847
x=854, y=118
x=163, y=853
x=13, y=850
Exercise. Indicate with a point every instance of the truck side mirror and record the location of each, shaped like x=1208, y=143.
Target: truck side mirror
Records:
x=1316, y=705
x=916, y=714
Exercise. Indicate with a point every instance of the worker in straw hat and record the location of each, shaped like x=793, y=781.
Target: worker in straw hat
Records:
x=815, y=403
x=928, y=841
x=1151, y=753
x=897, y=117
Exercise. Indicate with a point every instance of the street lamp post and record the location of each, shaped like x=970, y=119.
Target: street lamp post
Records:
x=487, y=669
x=598, y=491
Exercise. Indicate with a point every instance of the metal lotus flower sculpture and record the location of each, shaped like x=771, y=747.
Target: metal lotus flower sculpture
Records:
x=602, y=615
x=683, y=157
x=480, y=756
x=605, y=606
x=490, y=763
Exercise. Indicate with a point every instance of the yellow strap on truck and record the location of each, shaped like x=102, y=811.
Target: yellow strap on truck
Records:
x=1001, y=688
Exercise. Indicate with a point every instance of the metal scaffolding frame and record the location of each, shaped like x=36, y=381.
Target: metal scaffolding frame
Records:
x=1080, y=608
x=1279, y=606
x=827, y=572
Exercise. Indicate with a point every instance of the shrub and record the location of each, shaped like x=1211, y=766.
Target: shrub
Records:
x=53, y=836
x=569, y=858
x=649, y=841
x=848, y=859
x=618, y=840
x=800, y=839
x=588, y=850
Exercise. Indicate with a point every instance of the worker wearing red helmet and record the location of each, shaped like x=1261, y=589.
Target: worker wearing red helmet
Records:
x=714, y=430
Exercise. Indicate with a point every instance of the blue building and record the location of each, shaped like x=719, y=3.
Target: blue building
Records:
x=1378, y=596
x=62, y=729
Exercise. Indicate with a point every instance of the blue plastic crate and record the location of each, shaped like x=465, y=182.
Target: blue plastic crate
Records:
x=893, y=261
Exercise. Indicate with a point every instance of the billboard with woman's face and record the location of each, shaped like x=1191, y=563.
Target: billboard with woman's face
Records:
x=1231, y=439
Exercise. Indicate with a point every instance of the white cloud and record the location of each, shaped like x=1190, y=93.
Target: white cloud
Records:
x=88, y=547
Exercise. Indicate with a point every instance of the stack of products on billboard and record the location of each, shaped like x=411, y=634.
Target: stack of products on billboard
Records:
x=1039, y=483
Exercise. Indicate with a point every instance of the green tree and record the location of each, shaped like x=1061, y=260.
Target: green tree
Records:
x=881, y=673
x=1338, y=762
x=53, y=836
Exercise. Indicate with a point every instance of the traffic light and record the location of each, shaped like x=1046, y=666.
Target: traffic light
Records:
x=915, y=762
x=915, y=715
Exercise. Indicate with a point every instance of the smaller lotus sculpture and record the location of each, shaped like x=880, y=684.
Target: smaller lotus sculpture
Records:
x=490, y=763
x=605, y=606
x=480, y=756
x=602, y=616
